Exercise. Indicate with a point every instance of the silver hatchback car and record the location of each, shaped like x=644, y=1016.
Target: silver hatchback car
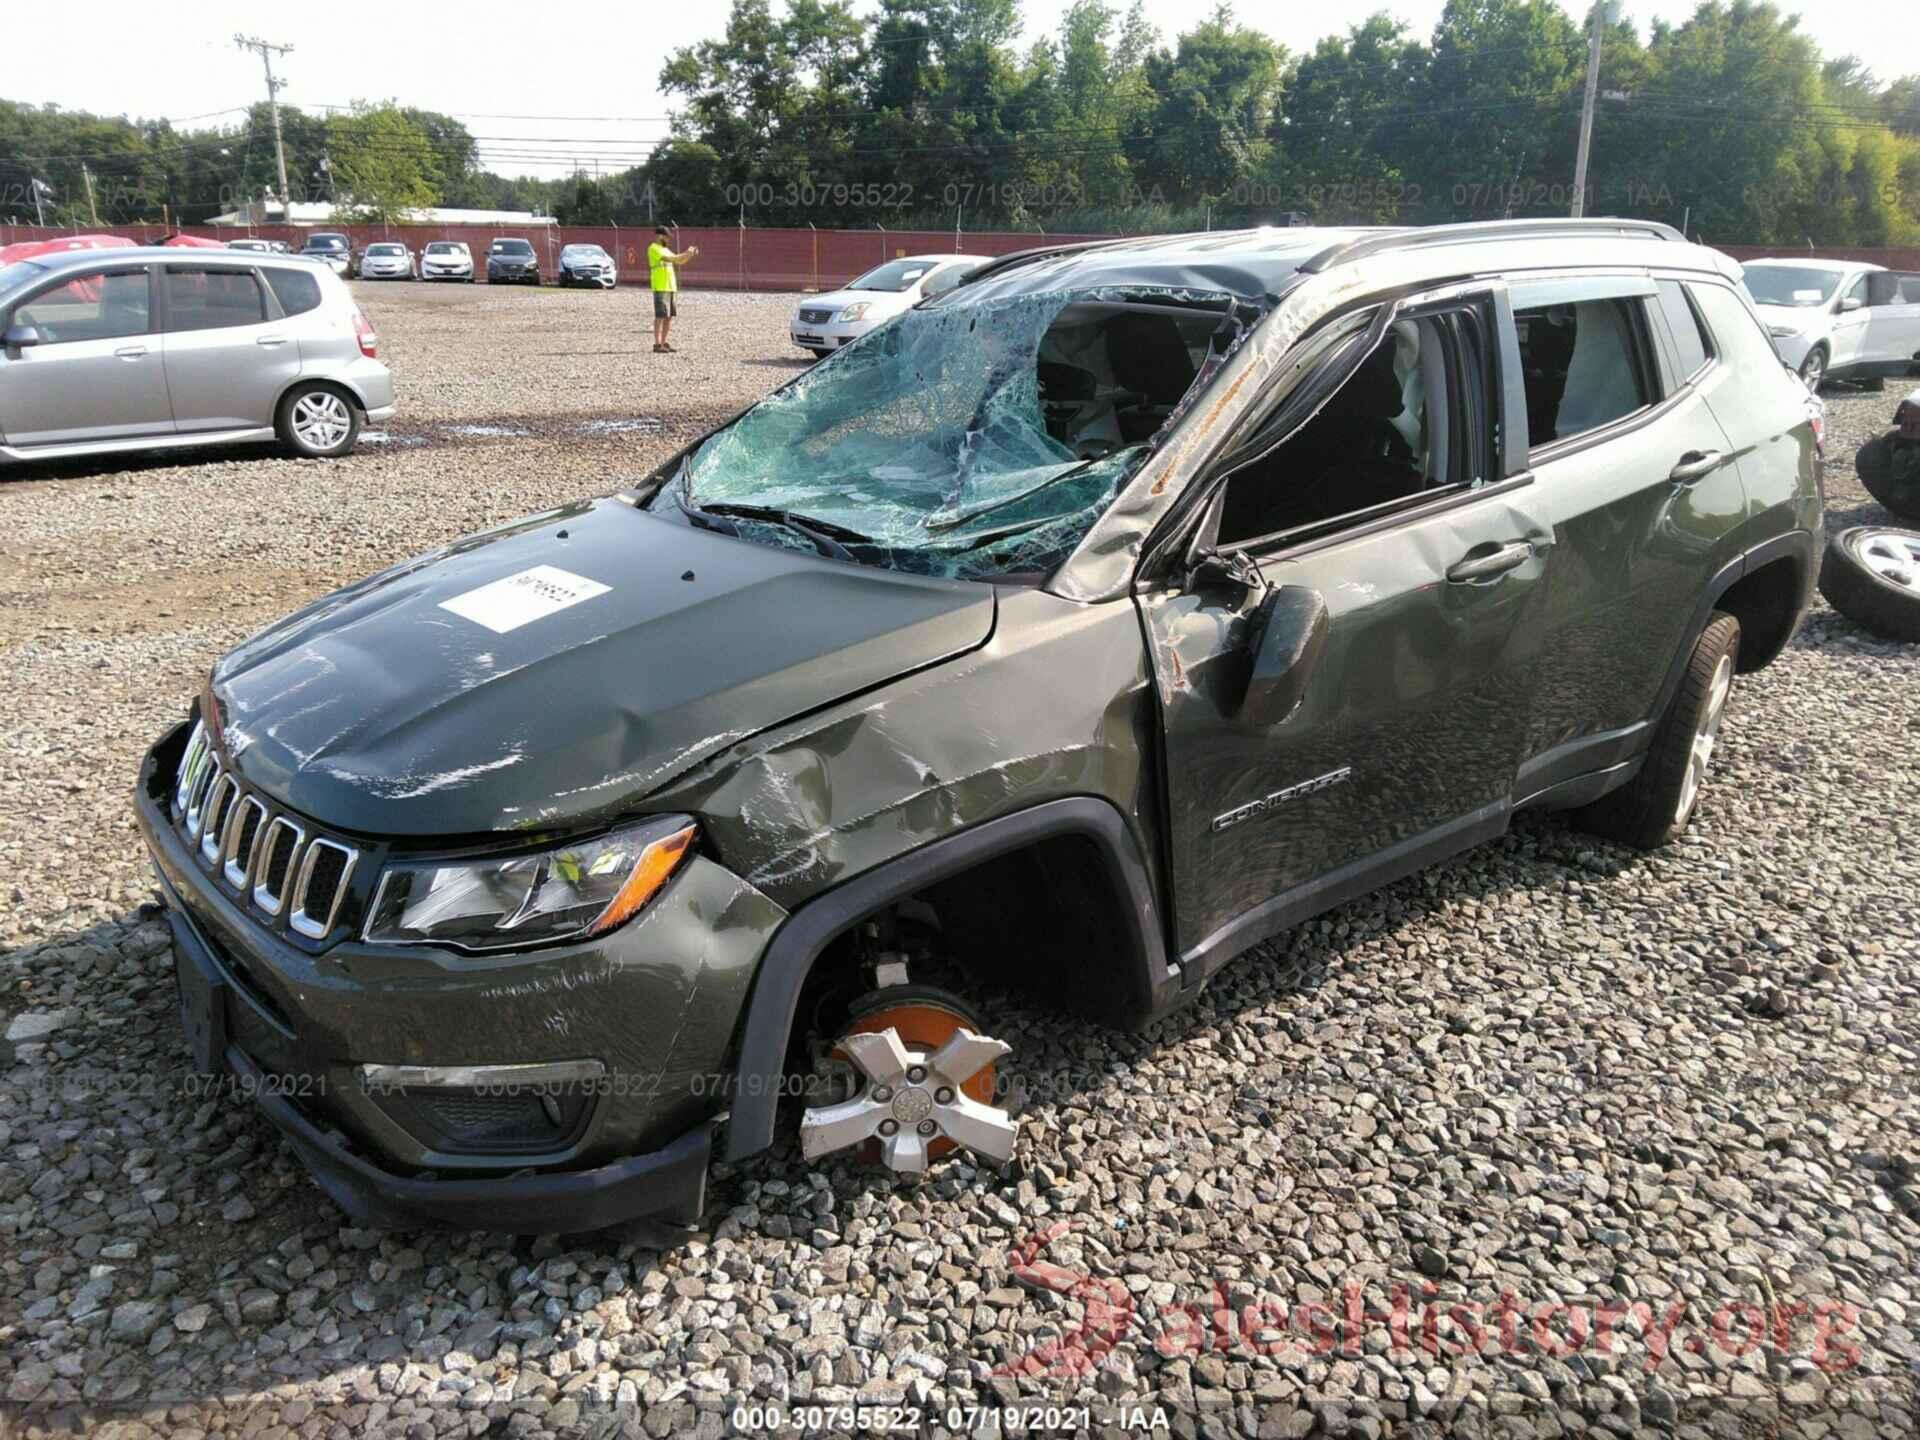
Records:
x=144, y=349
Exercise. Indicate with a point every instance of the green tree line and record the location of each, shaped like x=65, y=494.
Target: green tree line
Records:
x=931, y=114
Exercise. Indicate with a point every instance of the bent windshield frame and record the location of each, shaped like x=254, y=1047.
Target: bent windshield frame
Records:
x=974, y=441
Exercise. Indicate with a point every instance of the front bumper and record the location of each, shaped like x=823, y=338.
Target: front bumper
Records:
x=446, y=272
x=602, y=278
x=830, y=336
x=656, y=1002
x=512, y=274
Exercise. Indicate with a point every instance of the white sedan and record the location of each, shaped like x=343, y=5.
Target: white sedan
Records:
x=824, y=323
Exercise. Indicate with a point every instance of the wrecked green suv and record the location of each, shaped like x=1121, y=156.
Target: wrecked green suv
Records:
x=1120, y=607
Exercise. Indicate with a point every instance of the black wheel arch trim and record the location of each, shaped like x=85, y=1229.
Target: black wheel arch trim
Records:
x=1800, y=546
x=805, y=934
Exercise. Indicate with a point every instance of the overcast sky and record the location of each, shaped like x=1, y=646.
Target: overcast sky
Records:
x=124, y=60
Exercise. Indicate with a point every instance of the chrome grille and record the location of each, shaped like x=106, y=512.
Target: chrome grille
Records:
x=214, y=816
x=268, y=857
x=243, y=833
x=277, y=853
x=322, y=884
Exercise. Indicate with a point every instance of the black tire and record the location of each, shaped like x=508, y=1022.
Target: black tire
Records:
x=300, y=428
x=1652, y=809
x=1873, y=462
x=1813, y=367
x=1884, y=600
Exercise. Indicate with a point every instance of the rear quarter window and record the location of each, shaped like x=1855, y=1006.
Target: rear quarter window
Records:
x=298, y=291
x=1693, y=347
x=1735, y=330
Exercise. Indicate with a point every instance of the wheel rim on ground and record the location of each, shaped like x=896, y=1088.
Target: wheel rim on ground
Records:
x=1894, y=557
x=1705, y=734
x=1812, y=368
x=928, y=1087
x=320, y=419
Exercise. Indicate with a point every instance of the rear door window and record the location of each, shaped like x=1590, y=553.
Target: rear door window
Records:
x=209, y=299
x=1586, y=361
x=298, y=291
x=99, y=305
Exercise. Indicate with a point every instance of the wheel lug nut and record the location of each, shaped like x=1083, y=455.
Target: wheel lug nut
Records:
x=883, y=1093
x=889, y=1127
x=917, y=1074
x=943, y=1096
x=927, y=1127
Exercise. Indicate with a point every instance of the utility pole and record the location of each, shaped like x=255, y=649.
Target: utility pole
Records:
x=92, y=208
x=266, y=53
x=1586, y=109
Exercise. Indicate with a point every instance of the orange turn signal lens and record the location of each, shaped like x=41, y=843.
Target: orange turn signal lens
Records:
x=652, y=870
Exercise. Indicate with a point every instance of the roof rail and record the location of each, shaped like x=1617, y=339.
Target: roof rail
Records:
x=1028, y=256
x=1538, y=229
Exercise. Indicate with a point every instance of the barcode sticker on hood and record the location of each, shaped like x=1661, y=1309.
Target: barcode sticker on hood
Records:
x=508, y=604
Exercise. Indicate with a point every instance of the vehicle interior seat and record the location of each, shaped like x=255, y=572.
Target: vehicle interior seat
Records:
x=1599, y=387
x=1350, y=456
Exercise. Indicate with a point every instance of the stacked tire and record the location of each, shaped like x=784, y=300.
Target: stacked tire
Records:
x=1871, y=573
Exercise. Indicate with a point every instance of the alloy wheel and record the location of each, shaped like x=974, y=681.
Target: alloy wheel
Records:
x=1894, y=557
x=321, y=420
x=1705, y=734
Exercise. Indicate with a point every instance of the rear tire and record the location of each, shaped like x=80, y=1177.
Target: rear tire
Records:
x=1652, y=809
x=318, y=422
x=1871, y=575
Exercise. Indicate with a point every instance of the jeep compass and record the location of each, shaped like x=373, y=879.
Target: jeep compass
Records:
x=1089, y=622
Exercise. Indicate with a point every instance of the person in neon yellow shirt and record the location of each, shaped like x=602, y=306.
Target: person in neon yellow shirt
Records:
x=663, y=272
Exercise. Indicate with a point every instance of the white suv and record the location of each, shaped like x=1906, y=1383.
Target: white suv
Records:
x=1838, y=319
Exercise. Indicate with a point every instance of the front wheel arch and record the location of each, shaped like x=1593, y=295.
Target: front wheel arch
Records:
x=773, y=1004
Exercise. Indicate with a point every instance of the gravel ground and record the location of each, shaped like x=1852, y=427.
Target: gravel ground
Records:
x=1550, y=1074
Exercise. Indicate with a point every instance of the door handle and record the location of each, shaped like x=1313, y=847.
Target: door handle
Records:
x=131, y=352
x=1696, y=464
x=1495, y=562
x=270, y=340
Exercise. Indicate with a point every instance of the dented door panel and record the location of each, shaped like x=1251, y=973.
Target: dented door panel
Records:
x=1413, y=715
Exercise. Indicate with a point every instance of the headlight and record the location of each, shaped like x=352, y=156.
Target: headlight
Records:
x=571, y=891
x=1782, y=332
x=856, y=311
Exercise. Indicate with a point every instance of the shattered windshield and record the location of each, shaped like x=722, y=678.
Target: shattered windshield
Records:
x=962, y=440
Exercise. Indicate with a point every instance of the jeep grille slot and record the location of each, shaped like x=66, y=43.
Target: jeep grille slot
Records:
x=321, y=886
x=214, y=818
x=277, y=851
x=245, y=828
x=191, y=759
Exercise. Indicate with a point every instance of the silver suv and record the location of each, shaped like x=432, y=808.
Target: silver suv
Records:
x=143, y=349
